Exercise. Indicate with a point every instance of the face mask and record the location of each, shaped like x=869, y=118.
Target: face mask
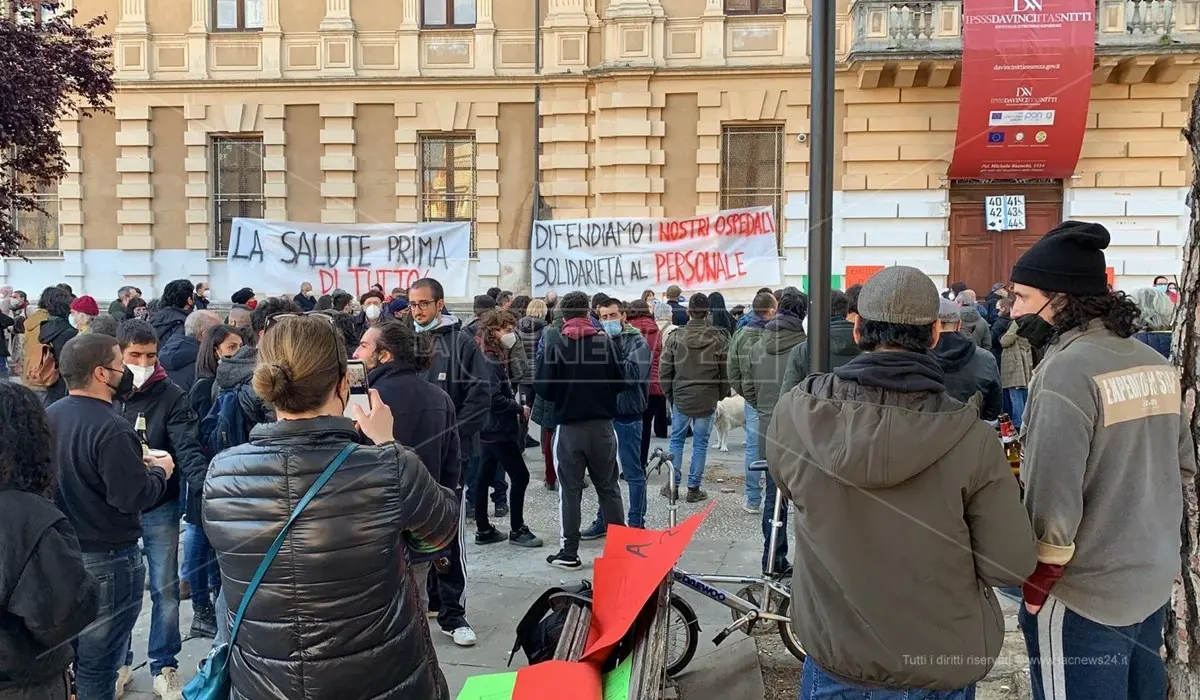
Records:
x=373, y=312
x=203, y=294
x=508, y=340
x=1035, y=329
x=71, y=320
x=140, y=375
x=611, y=327
x=424, y=327
x=252, y=304
x=1161, y=287
x=124, y=385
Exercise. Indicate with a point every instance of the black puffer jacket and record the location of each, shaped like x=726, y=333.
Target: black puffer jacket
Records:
x=970, y=370
x=336, y=615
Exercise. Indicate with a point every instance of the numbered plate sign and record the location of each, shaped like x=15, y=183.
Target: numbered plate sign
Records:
x=1014, y=212
x=994, y=212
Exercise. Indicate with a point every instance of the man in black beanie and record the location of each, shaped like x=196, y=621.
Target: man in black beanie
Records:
x=1106, y=449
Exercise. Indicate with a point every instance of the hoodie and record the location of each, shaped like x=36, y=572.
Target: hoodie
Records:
x=171, y=425
x=234, y=374
x=842, y=349
x=895, y=481
x=580, y=373
x=977, y=329
x=650, y=331
x=178, y=357
x=55, y=332
x=634, y=353
x=741, y=374
x=168, y=322
x=768, y=364
x=970, y=370
x=694, y=371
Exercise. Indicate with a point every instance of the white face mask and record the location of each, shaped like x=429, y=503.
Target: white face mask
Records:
x=373, y=312
x=141, y=375
x=508, y=340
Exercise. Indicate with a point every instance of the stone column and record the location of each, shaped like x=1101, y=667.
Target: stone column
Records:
x=275, y=161
x=135, y=193
x=628, y=150
x=338, y=164
x=712, y=34
x=409, y=37
x=485, y=38
x=272, y=42
x=565, y=136
x=795, y=32
x=195, y=164
x=70, y=189
x=197, y=40
x=408, y=178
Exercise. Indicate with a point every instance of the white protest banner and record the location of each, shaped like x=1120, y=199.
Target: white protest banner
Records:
x=624, y=257
x=275, y=256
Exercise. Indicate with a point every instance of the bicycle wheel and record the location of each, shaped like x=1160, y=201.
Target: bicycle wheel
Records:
x=683, y=635
x=788, y=633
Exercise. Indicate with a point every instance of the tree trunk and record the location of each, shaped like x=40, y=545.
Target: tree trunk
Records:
x=1183, y=617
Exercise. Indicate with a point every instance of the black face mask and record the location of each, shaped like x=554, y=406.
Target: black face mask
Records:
x=1037, y=330
x=124, y=386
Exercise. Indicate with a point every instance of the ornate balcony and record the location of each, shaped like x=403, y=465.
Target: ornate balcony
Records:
x=932, y=28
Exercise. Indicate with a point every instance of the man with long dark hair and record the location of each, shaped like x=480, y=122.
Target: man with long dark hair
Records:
x=48, y=596
x=1107, y=447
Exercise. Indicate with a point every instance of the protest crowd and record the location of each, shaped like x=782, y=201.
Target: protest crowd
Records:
x=211, y=423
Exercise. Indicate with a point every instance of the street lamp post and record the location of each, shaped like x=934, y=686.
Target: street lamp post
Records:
x=820, y=202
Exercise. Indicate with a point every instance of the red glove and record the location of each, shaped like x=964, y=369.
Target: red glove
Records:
x=1037, y=586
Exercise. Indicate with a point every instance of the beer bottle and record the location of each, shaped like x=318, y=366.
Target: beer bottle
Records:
x=139, y=427
x=1012, y=443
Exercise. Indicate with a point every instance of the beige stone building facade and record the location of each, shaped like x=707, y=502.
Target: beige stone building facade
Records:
x=355, y=111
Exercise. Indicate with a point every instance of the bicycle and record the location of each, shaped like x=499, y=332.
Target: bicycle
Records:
x=764, y=599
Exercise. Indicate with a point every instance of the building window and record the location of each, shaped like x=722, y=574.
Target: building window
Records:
x=238, y=15
x=40, y=228
x=754, y=7
x=752, y=168
x=27, y=11
x=237, y=185
x=448, y=180
x=448, y=13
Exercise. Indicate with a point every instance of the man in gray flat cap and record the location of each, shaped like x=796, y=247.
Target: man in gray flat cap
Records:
x=907, y=513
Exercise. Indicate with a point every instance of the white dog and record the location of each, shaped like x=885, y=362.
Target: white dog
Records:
x=731, y=413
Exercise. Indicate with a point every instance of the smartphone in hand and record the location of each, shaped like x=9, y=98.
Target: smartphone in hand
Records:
x=357, y=372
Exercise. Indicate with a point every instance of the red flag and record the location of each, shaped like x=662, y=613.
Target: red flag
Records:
x=635, y=562
x=561, y=680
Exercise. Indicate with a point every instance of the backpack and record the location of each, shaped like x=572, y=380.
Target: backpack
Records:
x=225, y=425
x=540, y=629
x=41, y=369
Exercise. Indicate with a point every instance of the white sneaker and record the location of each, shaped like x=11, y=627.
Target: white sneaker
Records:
x=167, y=685
x=463, y=636
x=124, y=675
x=751, y=509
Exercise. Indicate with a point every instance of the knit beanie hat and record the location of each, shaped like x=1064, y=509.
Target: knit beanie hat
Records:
x=1069, y=260
x=242, y=295
x=86, y=305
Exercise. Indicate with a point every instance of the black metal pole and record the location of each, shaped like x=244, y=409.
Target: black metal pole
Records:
x=820, y=202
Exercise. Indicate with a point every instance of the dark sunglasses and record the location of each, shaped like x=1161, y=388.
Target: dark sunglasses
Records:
x=275, y=318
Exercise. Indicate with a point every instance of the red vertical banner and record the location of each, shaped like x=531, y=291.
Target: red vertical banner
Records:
x=1026, y=83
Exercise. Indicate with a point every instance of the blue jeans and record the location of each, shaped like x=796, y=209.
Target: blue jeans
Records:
x=100, y=649
x=818, y=685
x=629, y=456
x=200, y=567
x=781, y=542
x=160, y=541
x=1017, y=397
x=1089, y=660
x=701, y=432
x=499, y=485
x=754, y=480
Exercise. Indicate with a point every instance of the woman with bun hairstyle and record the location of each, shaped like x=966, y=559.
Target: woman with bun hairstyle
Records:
x=336, y=612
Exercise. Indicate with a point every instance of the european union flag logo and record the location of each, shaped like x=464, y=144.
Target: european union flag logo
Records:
x=997, y=115
x=995, y=137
